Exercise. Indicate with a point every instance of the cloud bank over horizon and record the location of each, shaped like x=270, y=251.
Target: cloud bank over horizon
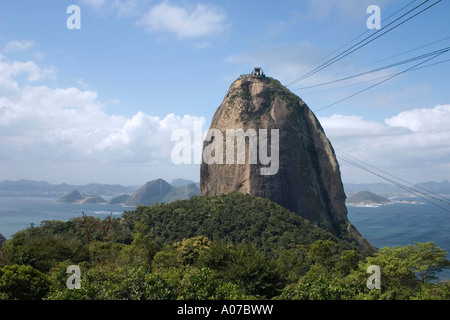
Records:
x=66, y=135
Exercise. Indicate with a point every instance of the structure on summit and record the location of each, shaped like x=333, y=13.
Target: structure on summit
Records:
x=258, y=72
x=308, y=181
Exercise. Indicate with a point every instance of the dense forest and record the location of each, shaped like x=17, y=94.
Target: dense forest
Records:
x=223, y=247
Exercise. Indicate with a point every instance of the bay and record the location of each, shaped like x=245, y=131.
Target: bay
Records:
x=17, y=213
x=400, y=224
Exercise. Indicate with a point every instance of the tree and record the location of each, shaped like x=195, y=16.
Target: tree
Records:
x=318, y=284
x=157, y=288
x=205, y=284
x=323, y=252
x=253, y=272
x=293, y=263
x=143, y=249
x=163, y=261
x=41, y=250
x=405, y=271
x=22, y=283
x=199, y=284
x=190, y=249
x=217, y=257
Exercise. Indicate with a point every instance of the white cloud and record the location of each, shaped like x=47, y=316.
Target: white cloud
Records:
x=67, y=128
x=144, y=138
x=123, y=8
x=18, y=45
x=94, y=4
x=41, y=126
x=435, y=119
x=414, y=144
x=202, y=20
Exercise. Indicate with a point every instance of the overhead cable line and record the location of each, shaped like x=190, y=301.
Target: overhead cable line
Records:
x=436, y=52
x=361, y=44
x=375, y=79
x=400, y=185
x=378, y=83
x=424, y=191
x=417, y=193
x=403, y=53
x=354, y=39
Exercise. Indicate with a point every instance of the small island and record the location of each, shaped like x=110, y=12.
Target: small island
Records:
x=409, y=201
x=367, y=199
x=76, y=197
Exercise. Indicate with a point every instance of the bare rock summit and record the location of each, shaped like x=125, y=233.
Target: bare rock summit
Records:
x=305, y=176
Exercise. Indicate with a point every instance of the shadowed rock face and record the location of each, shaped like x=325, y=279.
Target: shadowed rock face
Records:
x=308, y=180
x=2, y=239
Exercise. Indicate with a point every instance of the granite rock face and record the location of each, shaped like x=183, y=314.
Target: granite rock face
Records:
x=306, y=179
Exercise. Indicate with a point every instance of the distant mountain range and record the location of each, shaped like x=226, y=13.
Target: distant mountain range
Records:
x=390, y=190
x=159, y=191
x=76, y=197
x=30, y=188
x=155, y=191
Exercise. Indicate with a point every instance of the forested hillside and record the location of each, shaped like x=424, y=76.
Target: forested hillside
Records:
x=223, y=247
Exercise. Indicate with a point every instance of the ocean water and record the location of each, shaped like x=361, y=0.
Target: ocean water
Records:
x=400, y=224
x=397, y=224
x=17, y=213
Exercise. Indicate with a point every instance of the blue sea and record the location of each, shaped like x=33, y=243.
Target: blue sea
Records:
x=17, y=213
x=397, y=224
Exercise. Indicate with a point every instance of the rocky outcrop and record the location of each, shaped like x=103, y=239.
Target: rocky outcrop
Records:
x=2, y=239
x=76, y=197
x=72, y=197
x=184, y=192
x=159, y=191
x=149, y=194
x=307, y=180
x=120, y=199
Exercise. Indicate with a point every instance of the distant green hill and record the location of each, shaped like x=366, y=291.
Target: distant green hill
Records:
x=119, y=199
x=232, y=218
x=77, y=197
x=72, y=197
x=363, y=198
x=155, y=191
x=150, y=193
x=95, y=199
x=159, y=191
x=182, y=193
x=180, y=182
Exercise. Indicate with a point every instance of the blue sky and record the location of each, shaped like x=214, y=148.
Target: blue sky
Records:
x=99, y=104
